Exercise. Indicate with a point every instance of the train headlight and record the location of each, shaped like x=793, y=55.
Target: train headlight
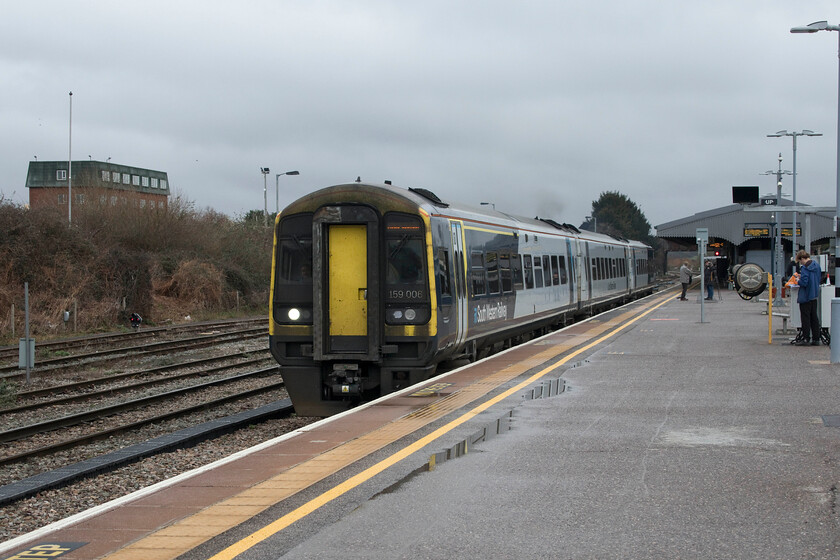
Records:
x=294, y=314
x=410, y=314
x=398, y=314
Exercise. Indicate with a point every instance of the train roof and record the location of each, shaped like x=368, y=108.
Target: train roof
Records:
x=434, y=205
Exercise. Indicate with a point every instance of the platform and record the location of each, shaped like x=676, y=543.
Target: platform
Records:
x=673, y=438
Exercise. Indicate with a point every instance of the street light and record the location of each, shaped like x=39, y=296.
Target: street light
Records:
x=265, y=171
x=794, y=134
x=277, y=189
x=594, y=221
x=493, y=204
x=813, y=28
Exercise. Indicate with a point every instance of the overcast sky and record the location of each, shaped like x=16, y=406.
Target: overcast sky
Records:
x=535, y=106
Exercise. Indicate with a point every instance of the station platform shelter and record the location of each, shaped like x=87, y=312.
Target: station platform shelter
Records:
x=742, y=233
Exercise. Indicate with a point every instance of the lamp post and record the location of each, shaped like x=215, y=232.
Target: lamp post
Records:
x=493, y=204
x=594, y=221
x=265, y=171
x=813, y=28
x=70, y=167
x=835, y=303
x=277, y=189
x=805, y=132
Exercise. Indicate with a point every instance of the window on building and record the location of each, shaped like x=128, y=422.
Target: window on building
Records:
x=106, y=175
x=126, y=178
x=144, y=181
x=135, y=180
x=62, y=199
x=142, y=203
x=154, y=183
x=60, y=174
x=115, y=176
x=163, y=183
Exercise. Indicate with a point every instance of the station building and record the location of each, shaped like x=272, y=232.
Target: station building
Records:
x=742, y=233
x=96, y=182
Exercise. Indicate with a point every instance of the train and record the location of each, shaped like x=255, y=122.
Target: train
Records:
x=374, y=285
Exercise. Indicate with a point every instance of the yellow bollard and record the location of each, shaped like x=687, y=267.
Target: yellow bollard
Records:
x=770, y=310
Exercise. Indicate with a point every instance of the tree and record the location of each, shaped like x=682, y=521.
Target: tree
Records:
x=615, y=214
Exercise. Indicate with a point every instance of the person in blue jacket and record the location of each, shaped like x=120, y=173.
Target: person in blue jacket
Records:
x=809, y=291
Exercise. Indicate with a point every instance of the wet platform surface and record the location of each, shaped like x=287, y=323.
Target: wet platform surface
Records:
x=673, y=439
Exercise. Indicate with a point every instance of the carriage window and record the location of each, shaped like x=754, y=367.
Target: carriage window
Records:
x=529, y=272
x=504, y=271
x=538, y=274
x=564, y=279
x=492, y=273
x=442, y=269
x=555, y=271
x=547, y=270
x=477, y=280
x=516, y=266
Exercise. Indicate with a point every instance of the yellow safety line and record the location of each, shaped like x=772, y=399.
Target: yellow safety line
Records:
x=337, y=491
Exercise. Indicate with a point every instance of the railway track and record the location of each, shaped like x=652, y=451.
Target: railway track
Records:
x=11, y=372
x=111, y=339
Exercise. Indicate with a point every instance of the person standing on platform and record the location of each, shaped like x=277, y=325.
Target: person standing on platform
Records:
x=709, y=277
x=809, y=291
x=685, y=279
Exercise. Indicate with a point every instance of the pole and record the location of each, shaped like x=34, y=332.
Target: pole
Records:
x=70, y=168
x=277, y=194
x=265, y=198
x=793, y=246
x=27, y=346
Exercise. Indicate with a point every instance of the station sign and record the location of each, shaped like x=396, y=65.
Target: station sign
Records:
x=757, y=231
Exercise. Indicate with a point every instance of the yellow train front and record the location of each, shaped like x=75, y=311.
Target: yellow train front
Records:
x=352, y=309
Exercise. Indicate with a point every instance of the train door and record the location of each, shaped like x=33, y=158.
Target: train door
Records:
x=583, y=273
x=345, y=261
x=572, y=273
x=460, y=283
x=631, y=268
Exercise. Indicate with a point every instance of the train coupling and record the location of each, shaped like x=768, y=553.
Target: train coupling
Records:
x=346, y=380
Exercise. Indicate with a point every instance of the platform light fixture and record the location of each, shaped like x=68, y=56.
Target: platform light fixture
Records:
x=813, y=28
x=265, y=171
x=277, y=189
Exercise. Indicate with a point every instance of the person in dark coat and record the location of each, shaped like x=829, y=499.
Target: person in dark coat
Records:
x=808, y=298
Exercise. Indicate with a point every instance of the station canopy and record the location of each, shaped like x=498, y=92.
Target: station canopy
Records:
x=735, y=224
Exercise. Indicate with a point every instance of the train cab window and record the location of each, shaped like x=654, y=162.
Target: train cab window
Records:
x=547, y=270
x=504, y=273
x=538, y=273
x=492, y=266
x=406, y=277
x=477, y=274
x=294, y=258
x=516, y=269
x=555, y=271
x=529, y=272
